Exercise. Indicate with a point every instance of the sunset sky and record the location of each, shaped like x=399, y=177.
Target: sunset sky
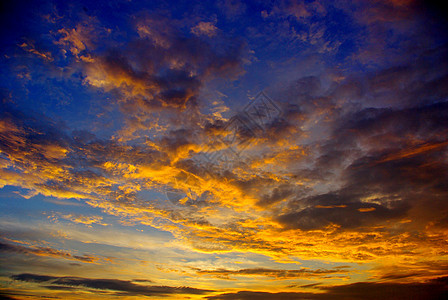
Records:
x=223, y=149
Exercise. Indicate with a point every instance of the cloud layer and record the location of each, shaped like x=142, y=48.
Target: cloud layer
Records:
x=150, y=117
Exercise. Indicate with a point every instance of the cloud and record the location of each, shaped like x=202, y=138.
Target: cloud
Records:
x=125, y=287
x=29, y=47
x=410, y=271
x=298, y=9
x=433, y=289
x=80, y=219
x=204, y=28
x=375, y=175
x=156, y=78
x=344, y=214
x=380, y=168
x=353, y=169
x=232, y=8
x=246, y=295
x=7, y=297
x=46, y=251
x=275, y=273
x=163, y=66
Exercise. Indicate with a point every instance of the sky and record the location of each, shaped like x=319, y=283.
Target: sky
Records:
x=223, y=149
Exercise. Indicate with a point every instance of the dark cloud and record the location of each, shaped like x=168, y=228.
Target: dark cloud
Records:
x=165, y=67
x=413, y=270
x=277, y=194
x=392, y=156
x=247, y=295
x=60, y=288
x=426, y=121
x=123, y=286
x=7, y=297
x=342, y=213
x=434, y=289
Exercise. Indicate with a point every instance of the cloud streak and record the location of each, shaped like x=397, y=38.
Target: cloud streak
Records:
x=274, y=273
x=46, y=252
x=123, y=286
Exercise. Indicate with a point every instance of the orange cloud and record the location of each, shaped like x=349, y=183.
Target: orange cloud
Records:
x=367, y=209
x=413, y=151
x=205, y=28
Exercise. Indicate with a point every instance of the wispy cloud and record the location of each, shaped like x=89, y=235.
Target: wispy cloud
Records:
x=46, y=251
